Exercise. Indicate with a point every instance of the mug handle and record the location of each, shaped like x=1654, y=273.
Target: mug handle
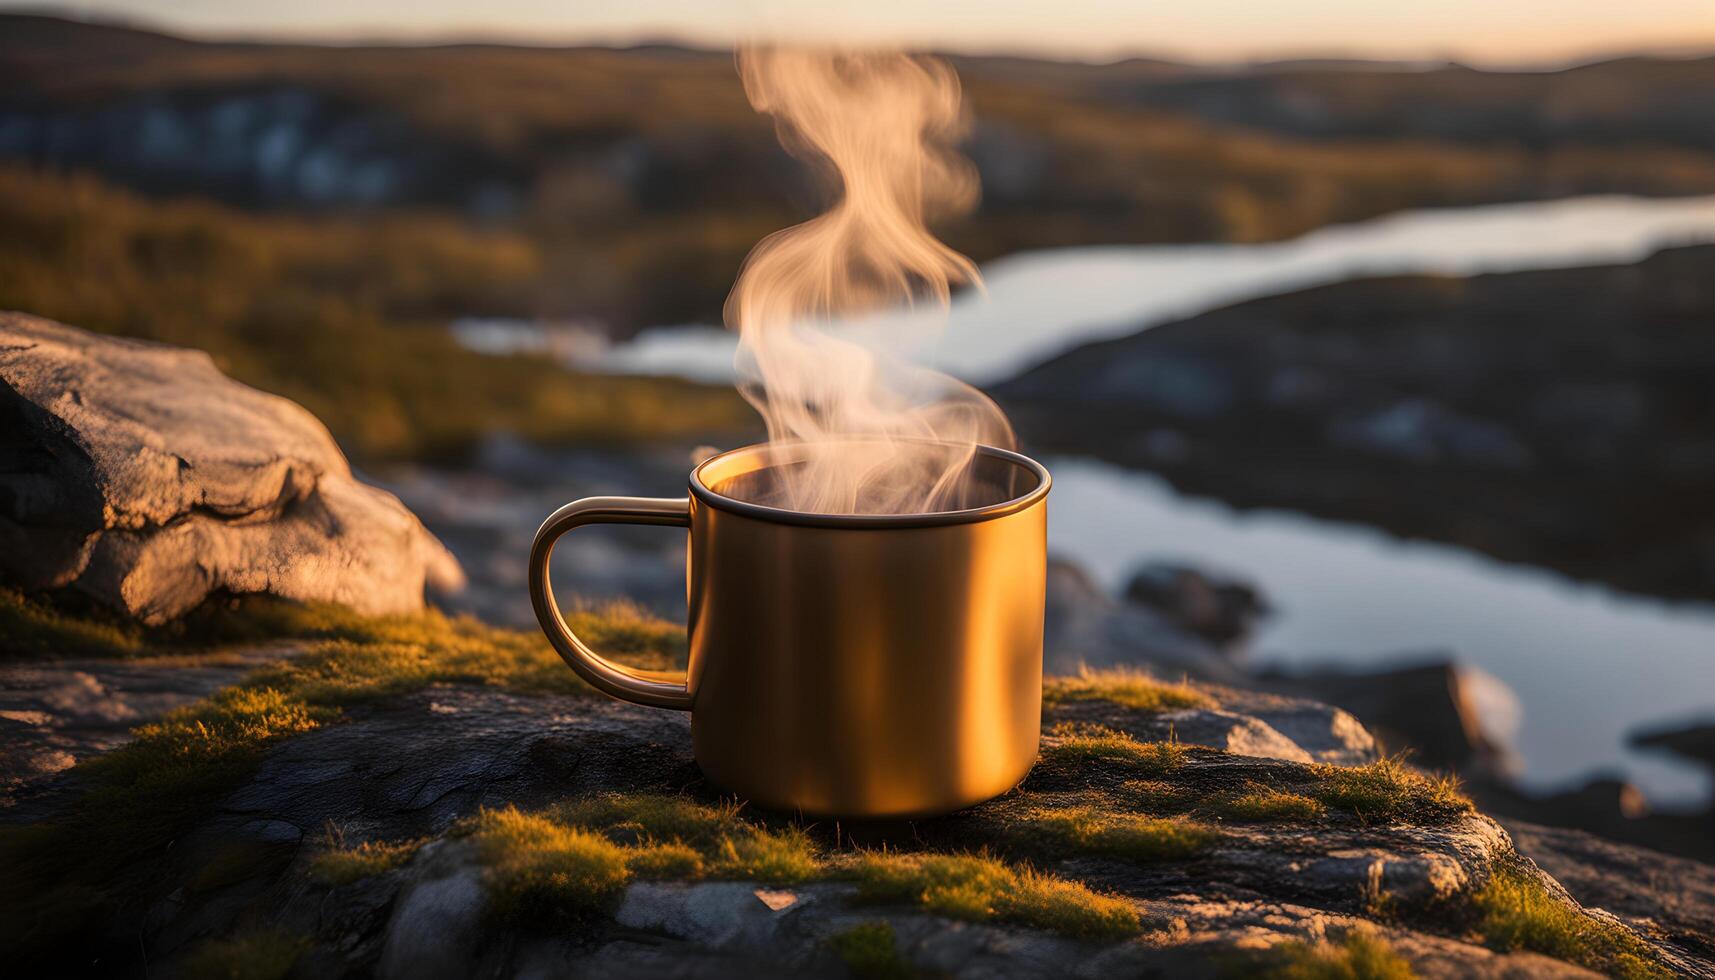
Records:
x=655, y=688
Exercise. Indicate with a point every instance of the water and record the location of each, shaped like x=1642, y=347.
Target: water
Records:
x=1587, y=665
x=1043, y=303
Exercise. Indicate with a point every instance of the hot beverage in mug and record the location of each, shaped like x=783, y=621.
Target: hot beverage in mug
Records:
x=854, y=664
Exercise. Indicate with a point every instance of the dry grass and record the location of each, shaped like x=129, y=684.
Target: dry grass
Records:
x=1126, y=686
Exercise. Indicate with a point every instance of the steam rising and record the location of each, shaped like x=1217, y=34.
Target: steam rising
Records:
x=875, y=433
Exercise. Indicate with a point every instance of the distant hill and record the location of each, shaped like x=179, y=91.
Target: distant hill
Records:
x=641, y=176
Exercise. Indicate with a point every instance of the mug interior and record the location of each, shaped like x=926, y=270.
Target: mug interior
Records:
x=749, y=481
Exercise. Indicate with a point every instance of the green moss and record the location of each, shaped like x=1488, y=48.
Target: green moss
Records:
x=540, y=870
x=574, y=859
x=141, y=794
x=1515, y=911
x=1360, y=955
x=667, y=861
x=364, y=658
x=778, y=856
x=1388, y=790
x=195, y=750
x=37, y=626
x=1262, y=804
x=727, y=845
x=1156, y=796
x=979, y=888
x=659, y=816
x=1083, y=744
x=1114, y=832
x=1126, y=686
x=256, y=954
x=31, y=627
x=871, y=952
x=344, y=865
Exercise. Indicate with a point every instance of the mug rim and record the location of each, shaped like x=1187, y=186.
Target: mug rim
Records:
x=780, y=515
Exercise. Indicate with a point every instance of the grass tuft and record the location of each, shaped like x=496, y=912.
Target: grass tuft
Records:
x=1262, y=804
x=871, y=952
x=726, y=845
x=1083, y=744
x=979, y=888
x=1515, y=911
x=542, y=871
x=344, y=865
x=1360, y=955
x=777, y=856
x=257, y=954
x=665, y=861
x=1388, y=790
x=655, y=816
x=1133, y=837
x=1125, y=686
x=574, y=859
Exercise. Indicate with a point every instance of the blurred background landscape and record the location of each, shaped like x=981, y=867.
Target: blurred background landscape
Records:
x=1388, y=381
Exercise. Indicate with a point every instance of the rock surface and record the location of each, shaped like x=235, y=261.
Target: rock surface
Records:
x=413, y=766
x=1675, y=896
x=141, y=475
x=54, y=713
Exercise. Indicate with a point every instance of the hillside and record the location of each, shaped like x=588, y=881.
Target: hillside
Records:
x=641, y=176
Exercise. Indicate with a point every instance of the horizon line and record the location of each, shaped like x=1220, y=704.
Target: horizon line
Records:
x=393, y=37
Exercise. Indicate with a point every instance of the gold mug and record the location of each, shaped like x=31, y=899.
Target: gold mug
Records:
x=851, y=665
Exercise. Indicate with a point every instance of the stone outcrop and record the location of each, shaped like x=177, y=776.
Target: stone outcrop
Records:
x=143, y=476
x=415, y=767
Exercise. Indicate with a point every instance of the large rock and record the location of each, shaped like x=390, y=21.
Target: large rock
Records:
x=143, y=476
x=414, y=766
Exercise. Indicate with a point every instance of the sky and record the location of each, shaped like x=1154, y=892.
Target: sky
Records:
x=1495, y=32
